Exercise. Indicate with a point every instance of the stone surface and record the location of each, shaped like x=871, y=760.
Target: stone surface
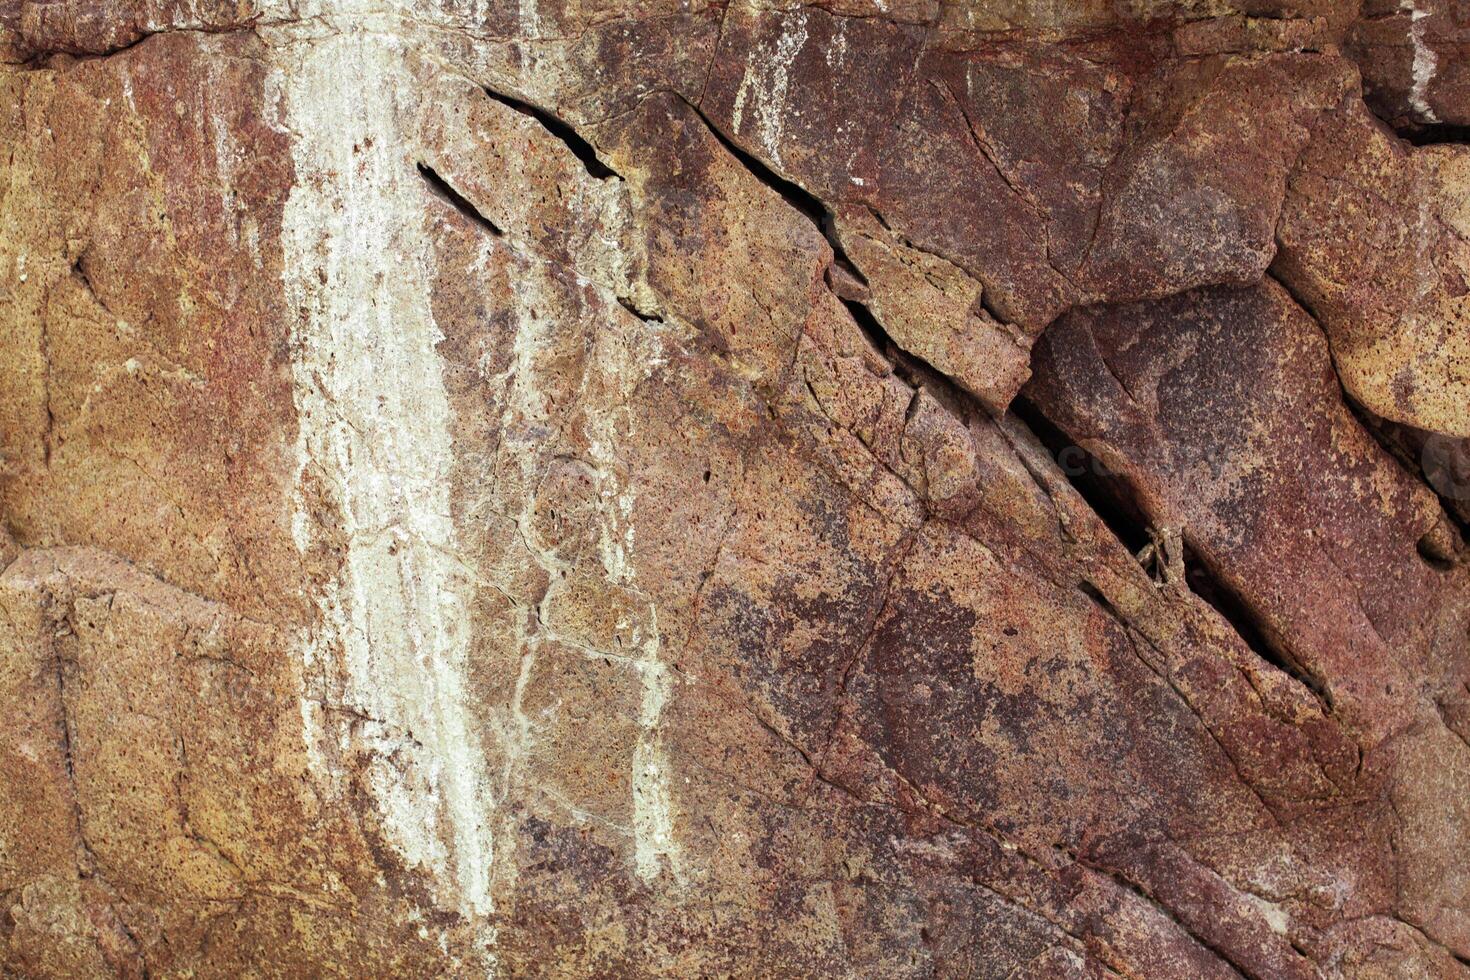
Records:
x=688, y=489
x=1384, y=263
x=1413, y=57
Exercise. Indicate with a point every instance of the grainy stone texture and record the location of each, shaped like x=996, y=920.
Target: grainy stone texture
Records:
x=854, y=488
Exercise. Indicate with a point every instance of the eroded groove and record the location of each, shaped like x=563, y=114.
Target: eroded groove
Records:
x=441, y=189
x=48, y=439
x=562, y=130
x=86, y=860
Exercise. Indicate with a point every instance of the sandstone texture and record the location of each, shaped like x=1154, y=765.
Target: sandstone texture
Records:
x=925, y=488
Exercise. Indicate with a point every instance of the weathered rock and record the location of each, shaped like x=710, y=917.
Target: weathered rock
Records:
x=1414, y=61
x=698, y=489
x=1383, y=260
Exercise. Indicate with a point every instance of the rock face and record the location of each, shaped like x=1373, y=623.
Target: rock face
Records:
x=686, y=489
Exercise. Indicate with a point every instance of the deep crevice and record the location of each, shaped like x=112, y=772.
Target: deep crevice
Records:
x=1109, y=495
x=1390, y=436
x=562, y=130
x=1435, y=134
x=910, y=368
x=881, y=341
x=1114, y=501
x=441, y=189
x=988, y=305
x=1236, y=611
x=1398, y=440
x=913, y=370
x=1101, y=601
x=1433, y=555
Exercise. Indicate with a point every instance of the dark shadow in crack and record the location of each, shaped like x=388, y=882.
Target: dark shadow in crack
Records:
x=1436, y=134
x=563, y=131
x=441, y=189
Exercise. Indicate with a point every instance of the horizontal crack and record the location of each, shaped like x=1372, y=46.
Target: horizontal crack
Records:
x=1435, y=134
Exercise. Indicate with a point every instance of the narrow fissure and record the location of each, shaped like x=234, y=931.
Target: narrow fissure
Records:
x=441, y=189
x=42, y=58
x=913, y=370
x=68, y=758
x=627, y=304
x=1101, y=601
x=1236, y=611
x=562, y=130
x=1126, y=883
x=48, y=440
x=881, y=341
x=791, y=192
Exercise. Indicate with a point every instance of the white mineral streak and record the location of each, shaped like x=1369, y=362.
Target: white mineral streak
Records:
x=625, y=351
x=375, y=434
x=530, y=18
x=1426, y=63
x=525, y=419
x=653, y=821
x=625, y=357
x=766, y=80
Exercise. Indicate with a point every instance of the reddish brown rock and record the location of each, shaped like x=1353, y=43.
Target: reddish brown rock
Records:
x=1413, y=59
x=692, y=490
x=1373, y=241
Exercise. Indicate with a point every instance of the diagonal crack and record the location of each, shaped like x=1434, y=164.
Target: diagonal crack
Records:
x=1132, y=887
x=562, y=130
x=1370, y=423
x=803, y=200
x=1161, y=671
x=442, y=189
